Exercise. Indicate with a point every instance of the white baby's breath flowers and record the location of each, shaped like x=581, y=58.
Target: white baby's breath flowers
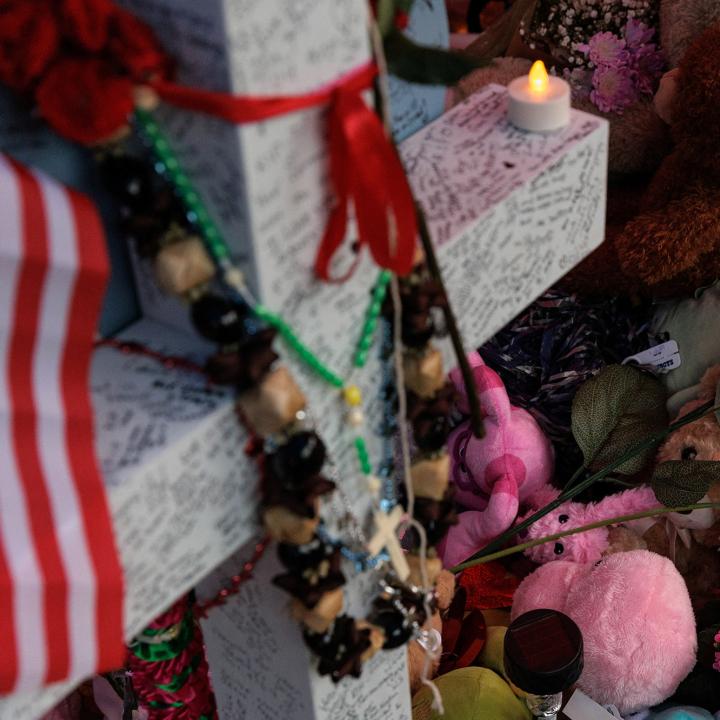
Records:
x=562, y=27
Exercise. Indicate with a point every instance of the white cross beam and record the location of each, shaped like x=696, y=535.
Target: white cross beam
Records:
x=386, y=538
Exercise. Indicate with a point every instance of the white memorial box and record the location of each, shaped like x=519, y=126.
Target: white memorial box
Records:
x=510, y=212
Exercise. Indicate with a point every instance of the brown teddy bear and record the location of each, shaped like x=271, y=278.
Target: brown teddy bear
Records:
x=681, y=21
x=692, y=541
x=700, y=440
x=670, y=248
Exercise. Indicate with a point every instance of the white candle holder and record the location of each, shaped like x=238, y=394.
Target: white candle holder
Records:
x=539, y=102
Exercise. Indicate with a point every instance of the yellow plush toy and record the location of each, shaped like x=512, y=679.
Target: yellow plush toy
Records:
x=475, y=693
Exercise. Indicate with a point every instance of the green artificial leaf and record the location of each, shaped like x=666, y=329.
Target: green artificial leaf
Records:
x=385, y=16
x=684, y=482
x=629, y=432
x=613, y=412
x=426, y=65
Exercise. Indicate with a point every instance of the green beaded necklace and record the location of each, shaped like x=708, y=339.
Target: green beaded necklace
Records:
x=231, y=275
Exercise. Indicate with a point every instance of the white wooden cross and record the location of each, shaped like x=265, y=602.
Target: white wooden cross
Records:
x=386, y=538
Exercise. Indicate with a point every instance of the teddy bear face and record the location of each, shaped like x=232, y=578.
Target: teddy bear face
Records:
x=584, y=547
x=699, y=440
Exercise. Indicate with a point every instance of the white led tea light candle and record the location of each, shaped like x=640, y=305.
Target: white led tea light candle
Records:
x=539, y=102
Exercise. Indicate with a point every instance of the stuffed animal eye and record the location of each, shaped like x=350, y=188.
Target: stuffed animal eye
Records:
x=563, y=519
x=559, y=548
x=689, y=452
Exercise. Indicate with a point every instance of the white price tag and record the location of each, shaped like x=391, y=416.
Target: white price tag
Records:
x=581, y=707
x=660, y=359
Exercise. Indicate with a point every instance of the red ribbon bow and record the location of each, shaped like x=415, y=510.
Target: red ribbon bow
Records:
x=364, y=166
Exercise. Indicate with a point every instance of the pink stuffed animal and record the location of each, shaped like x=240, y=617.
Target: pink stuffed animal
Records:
x=638, y=626
x=588, y=546
x=492, y=475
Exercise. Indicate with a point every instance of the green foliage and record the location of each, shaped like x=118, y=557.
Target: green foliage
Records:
x=613, y=412
x=426, y=65
x=683, y=482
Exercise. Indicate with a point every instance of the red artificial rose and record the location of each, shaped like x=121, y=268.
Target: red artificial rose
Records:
x=29, y=39
x=86, y=22
x=84, y=99
x=134, y=45
x=402, y=19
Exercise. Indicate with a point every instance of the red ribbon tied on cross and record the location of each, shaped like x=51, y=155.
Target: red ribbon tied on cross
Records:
x=365, y=169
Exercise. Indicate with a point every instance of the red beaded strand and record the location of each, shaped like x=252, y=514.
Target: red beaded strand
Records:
x=236, y=581
x=171, y=362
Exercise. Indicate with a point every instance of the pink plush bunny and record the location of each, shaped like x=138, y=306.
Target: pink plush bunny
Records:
x=492, y=475
x=588, y=546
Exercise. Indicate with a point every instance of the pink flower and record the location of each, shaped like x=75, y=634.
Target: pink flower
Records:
x=580, y=81
x=647, y=65
x=605, y=49
x=637, y=33
x=613, y=89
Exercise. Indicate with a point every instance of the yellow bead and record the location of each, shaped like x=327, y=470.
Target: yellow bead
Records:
x=352, y=395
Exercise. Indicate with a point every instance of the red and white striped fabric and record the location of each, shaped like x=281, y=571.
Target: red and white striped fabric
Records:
x=60, y=577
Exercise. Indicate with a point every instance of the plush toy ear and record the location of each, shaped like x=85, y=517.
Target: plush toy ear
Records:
x=493, y=397
x=627, y=502
x=541, y=497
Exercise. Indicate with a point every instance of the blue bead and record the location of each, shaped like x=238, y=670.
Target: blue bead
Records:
x=387, y=505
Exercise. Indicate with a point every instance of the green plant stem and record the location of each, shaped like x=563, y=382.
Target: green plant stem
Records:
x=575, y=476
x=621, y=483
x=574, y=531
x=570, y=493
x=476, y=420
x=383, y=111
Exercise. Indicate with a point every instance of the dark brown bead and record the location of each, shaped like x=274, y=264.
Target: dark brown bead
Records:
x=340, y=649
x=297, y=495
x=302, y=455
x=130, y=179
x=299, y=558
x=399, y=611
x=436, y=516
x=224, y=368
x=219, y=319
